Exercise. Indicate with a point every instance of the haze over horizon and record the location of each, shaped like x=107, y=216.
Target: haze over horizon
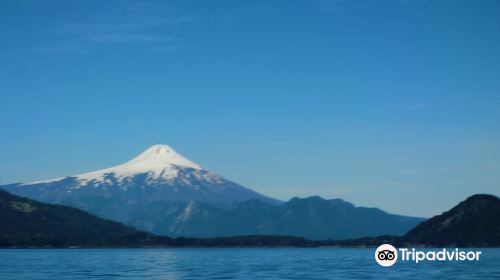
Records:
x=391, y=104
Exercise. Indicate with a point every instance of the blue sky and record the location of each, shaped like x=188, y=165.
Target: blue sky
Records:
x=391, y=103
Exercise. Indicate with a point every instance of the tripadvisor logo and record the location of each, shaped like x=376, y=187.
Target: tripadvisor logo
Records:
x=387, y=255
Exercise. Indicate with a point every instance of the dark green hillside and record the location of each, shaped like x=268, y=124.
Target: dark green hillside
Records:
x=25, y=222
x=474, y=222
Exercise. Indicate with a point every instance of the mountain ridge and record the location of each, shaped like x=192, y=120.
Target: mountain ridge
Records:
x=165, y=193
x=473, y=222
x=315, y=218
x=28, y=223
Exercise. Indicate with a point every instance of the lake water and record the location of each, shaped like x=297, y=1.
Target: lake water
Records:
x=230, y=263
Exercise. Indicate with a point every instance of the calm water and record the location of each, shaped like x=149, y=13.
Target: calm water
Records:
x=232, y=263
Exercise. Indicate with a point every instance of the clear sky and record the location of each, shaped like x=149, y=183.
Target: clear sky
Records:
x=386, y=103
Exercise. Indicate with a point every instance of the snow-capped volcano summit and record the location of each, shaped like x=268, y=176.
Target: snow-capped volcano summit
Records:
x=157, y=157
x=157, y=175
x=158, y=162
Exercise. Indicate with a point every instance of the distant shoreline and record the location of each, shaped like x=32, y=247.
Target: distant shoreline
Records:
x=261, y=241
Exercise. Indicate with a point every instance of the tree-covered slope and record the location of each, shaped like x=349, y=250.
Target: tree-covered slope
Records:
x=25, y=222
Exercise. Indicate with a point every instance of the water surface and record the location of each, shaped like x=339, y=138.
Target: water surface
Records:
x=230, y=263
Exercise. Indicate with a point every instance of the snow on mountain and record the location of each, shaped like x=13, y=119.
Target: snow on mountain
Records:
x=159, y=174
x=165, y=193
x=159, y=162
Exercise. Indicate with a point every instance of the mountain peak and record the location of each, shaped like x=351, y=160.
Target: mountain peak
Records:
x=159, y=149
x=158, y=161
x=159, y=156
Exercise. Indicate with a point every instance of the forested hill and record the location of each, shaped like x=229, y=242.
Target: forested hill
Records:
x=25, y=222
